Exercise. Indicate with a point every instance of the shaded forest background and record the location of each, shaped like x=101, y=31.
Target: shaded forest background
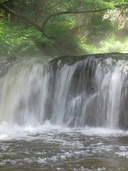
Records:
x=62, y=27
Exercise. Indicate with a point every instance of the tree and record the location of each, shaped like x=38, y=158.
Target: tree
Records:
x=41, y=9
x=54, y=19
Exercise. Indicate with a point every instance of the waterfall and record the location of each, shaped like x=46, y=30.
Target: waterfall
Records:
x=24, y=93
x=89, y=92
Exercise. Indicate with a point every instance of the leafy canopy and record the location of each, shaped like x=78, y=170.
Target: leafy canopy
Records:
x=60, y=23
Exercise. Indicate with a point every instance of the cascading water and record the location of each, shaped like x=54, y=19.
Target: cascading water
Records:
x=90, y=93
x=70, y=113
x=87, y=93
x=24, y=93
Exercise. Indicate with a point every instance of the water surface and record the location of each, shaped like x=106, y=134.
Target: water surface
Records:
x=50, y=147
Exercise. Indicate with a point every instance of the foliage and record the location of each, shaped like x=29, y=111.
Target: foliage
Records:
x=21, y=39
x=89, y=49
x=114, y=45
x=109, y=45
x=15, y=42
x=99, y=29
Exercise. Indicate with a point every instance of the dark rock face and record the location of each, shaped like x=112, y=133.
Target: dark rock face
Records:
x=97, y=94
x=74, y=91
x=6, y=64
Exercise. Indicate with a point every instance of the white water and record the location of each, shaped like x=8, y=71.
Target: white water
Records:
x=70, y=118
x=49, y=147
x=24, y=94
x=87, y=93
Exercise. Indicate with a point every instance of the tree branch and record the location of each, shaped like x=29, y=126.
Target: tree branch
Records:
x=6, y=2
x=42, y=29
x=73, y=12
x=20, y=16
x=68, y=12
x=23, y=17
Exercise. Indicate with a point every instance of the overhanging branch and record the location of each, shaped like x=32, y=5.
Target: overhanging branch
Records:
x=42, y=29
x=23, y=17
x=69, y=12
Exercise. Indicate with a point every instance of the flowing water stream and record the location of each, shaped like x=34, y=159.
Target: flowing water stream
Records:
x=57, y=115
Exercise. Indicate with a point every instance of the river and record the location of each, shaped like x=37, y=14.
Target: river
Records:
x=50, y=147
x=64, y=116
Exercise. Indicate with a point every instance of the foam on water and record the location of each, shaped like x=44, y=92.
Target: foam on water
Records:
x=30, y=132
x=55, y=147
x=73, y=117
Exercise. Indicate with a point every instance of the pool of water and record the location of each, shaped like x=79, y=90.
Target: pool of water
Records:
x=51, y=147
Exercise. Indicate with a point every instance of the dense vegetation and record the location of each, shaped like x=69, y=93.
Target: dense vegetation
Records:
x=59, y=27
